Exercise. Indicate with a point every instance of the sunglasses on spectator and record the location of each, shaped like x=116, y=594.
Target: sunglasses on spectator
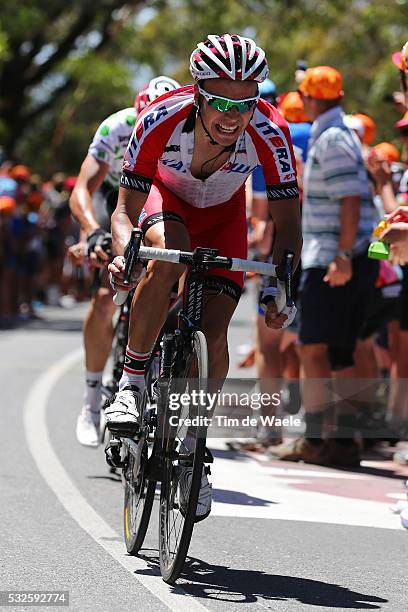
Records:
x=223, y=105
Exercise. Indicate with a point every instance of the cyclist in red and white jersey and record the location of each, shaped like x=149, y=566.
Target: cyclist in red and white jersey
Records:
x=183, y=184
x=92, y=203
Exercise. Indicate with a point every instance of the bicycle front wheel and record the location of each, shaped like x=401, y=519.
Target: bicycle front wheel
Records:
x=176, y=523
x=139, y=497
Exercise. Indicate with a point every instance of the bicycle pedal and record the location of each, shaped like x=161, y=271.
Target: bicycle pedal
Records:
x=112, y=454
x=208, y=456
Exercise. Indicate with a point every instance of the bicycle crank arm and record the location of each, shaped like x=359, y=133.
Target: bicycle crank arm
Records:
x=135, y=449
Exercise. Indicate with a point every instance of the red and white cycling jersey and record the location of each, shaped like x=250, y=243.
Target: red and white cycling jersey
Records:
x=162, y=147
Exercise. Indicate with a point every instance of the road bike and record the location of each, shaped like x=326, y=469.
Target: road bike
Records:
x=154, y=453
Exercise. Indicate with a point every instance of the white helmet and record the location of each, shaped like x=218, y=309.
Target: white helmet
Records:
x=229, y=57
x=152, y=90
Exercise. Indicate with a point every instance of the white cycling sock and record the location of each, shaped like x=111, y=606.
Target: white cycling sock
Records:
x=134, y=369
x=93, y=395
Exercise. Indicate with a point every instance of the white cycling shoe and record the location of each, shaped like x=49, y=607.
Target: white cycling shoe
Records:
x=123, y=413
x=88, y=427
x=204, y=496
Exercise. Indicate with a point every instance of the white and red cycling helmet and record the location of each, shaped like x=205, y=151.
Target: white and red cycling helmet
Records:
x=229, y=56
x=152, y=90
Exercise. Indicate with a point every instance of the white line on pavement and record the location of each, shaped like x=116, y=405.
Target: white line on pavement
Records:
x=75, y=504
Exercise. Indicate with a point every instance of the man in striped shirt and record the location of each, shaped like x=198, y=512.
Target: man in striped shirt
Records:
x=337, y=276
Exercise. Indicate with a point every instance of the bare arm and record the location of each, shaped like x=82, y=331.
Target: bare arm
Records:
x=388, y=198
x=91, y=177
x=381, y=172
x=288, y=228
x=259, y=208
x=288, y=236
x=125, y=217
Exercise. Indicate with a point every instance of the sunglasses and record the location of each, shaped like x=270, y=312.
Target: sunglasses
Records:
x=223, y=105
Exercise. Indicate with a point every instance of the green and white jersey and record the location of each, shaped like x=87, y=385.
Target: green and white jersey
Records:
x=110, y=142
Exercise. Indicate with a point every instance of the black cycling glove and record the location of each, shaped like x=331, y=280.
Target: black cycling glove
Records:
x=99, y=238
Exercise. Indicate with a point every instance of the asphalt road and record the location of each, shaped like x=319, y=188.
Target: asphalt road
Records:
x=280, y=537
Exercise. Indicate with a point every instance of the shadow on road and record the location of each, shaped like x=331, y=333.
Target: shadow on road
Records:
x=237, y=497
x=111, y=477
x=236, y=586
x=227, y=453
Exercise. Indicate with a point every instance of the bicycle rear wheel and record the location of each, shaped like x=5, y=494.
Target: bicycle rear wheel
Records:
x=175, y=523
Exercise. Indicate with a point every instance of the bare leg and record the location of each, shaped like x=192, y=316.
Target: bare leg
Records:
x=316, y=365
x=269, y=366
x=152, y=296
x=98, y=330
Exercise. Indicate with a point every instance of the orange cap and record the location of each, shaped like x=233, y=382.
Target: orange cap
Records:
x=292, y=108
x=322, y=82
x=387, y=152
x=20, y=172
x=402, y=123
x=7, y=205
x=369, y=128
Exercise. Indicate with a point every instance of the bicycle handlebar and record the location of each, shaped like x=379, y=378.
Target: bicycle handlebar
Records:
x=142, y=253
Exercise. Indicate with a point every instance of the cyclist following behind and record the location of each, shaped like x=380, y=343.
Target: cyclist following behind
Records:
x=183, y=183
x=92, y=203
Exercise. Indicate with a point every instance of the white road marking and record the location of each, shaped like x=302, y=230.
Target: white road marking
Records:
x=75, y=504
x=314, y=473
x=264, y=496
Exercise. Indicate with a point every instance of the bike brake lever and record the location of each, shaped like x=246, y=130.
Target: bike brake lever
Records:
x=131, y=253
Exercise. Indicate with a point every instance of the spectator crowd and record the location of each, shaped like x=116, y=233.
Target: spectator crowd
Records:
x=36, y=230
x=351, y=331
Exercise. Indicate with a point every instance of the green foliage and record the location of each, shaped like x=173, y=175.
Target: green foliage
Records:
x=52, y=104
x=102, y=88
